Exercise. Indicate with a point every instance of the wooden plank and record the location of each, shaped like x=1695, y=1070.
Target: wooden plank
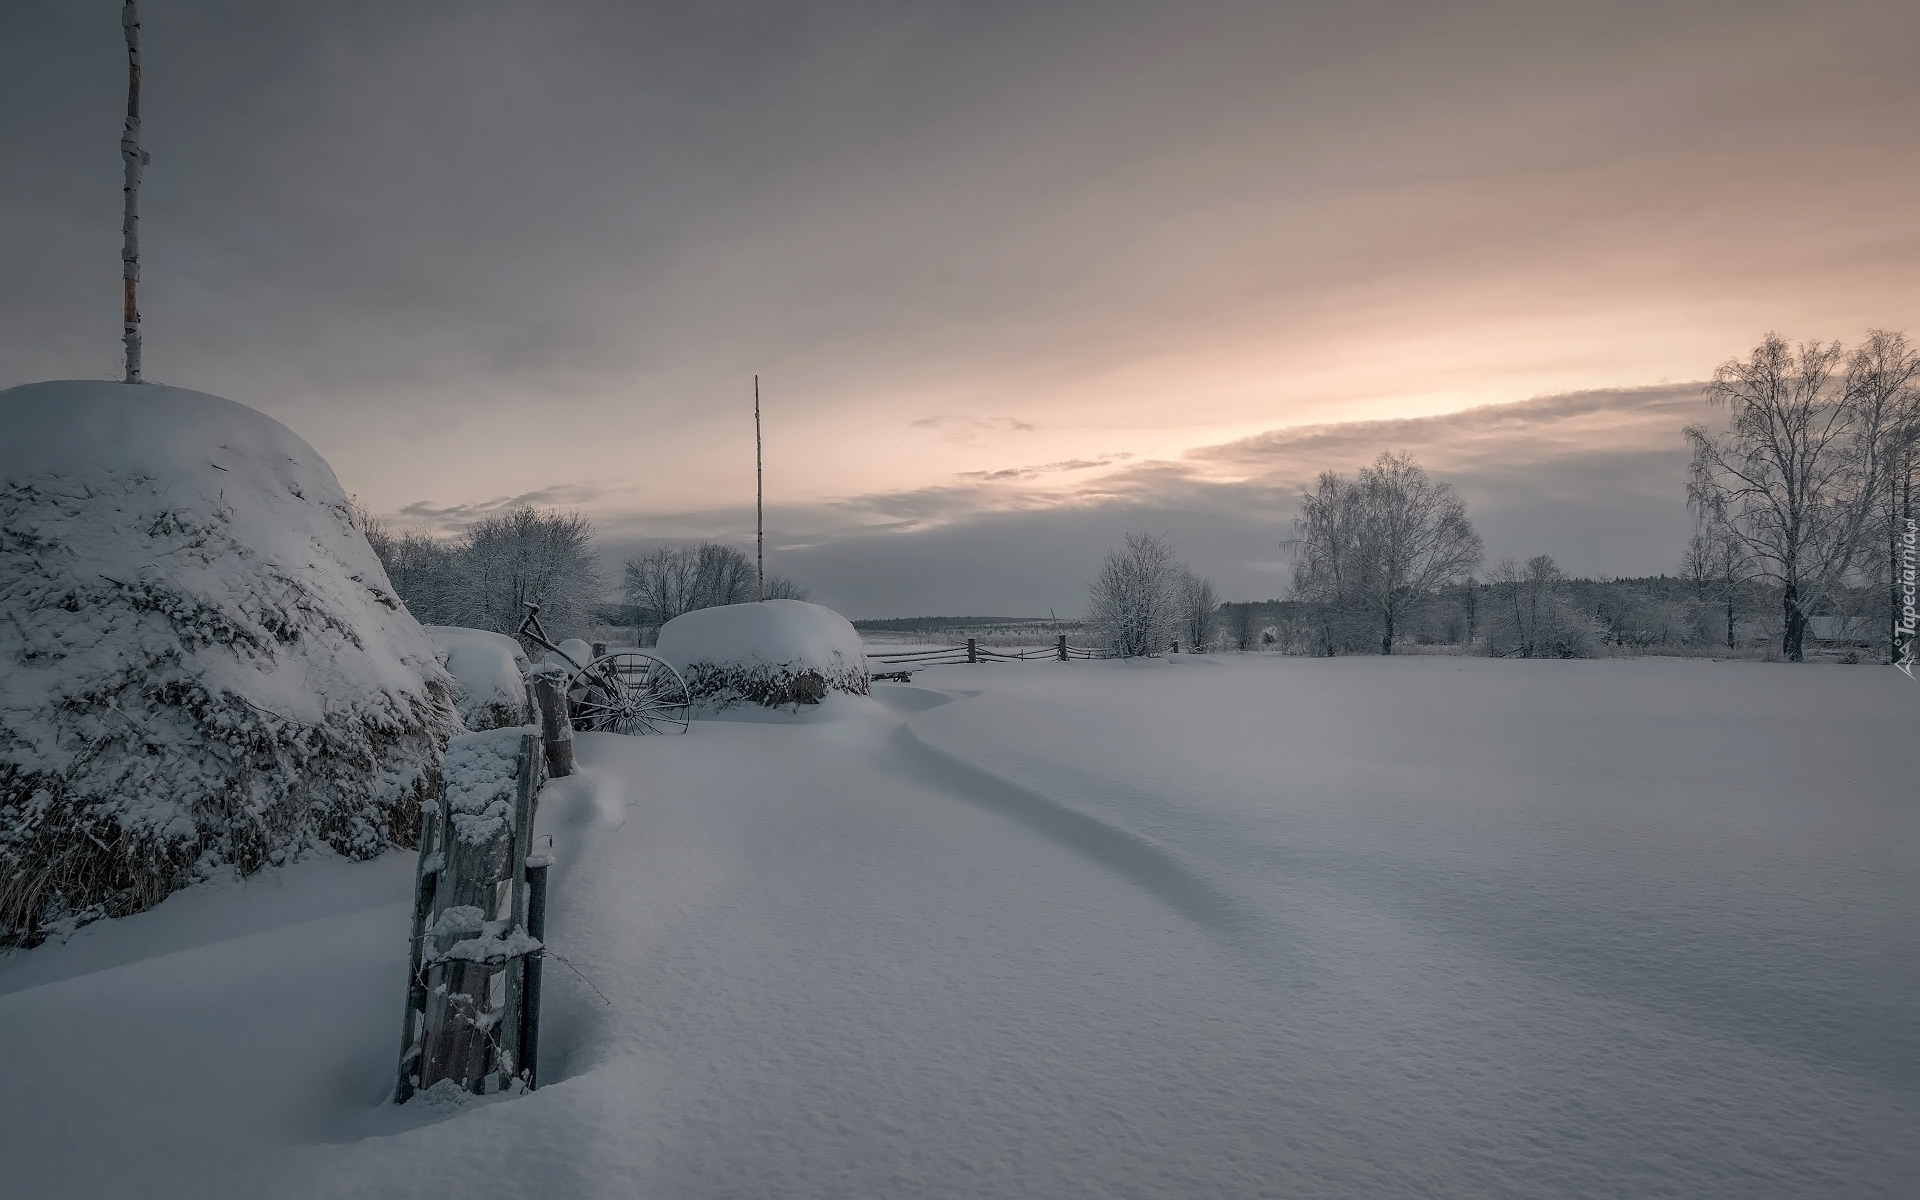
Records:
x=425, y=882
x=529, y=1039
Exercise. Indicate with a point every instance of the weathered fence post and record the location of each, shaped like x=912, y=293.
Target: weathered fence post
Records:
x=556, y=726
x=425, y=880
x=465, y=1019
x=599, y=649
x=973, y=651
x=1061, y=648
x=530, y=985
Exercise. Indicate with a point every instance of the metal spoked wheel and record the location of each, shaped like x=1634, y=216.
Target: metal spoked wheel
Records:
x=630, y=692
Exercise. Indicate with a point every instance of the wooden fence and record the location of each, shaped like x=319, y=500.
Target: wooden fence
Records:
x=900, y=664
x=479, y=914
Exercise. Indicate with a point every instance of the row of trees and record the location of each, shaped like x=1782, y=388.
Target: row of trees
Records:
x=484, y=578
x=1531, y=609
x=1802, y=502
x=1372, y=550
x=1144, y=602
x=678, y=577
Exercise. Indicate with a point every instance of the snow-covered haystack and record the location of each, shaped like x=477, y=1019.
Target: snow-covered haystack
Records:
x=768, y=652
x=489, y=673
x=201, y=661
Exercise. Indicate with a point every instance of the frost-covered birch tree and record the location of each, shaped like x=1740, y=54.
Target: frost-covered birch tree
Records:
x=1372, y=547
x=1135, y=599
x=1198, y=606
x=133, y=161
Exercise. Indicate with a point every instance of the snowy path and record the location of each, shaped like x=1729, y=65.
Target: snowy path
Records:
x=1233, y=927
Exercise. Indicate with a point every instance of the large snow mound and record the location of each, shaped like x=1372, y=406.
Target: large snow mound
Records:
x=202, y=663
x=768, y=652
x=489, y=672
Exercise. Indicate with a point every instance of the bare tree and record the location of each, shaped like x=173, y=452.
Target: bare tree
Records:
x=1133, y=600
x=664, y=580
x=1198, y=605
x=1327, y=571
x=1242, y=626
x=679, y=577
x=1883, y=376
x=1719, y=566
x=1799, y=467
x=1372, y=547
x=779, y=587
x=724, y=576
x=1531, y=617
x=425, y=572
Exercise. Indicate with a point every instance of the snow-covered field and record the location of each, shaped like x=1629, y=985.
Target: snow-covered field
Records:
x=1215, y=926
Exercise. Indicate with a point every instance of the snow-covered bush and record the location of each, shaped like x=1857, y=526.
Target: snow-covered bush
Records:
x=201, y=662
x=489, y=673
x=1531, y=614
x=770, y=652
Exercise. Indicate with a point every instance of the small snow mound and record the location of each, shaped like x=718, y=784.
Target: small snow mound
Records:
x=768, y=652
x=489, y=671
x=204, y=663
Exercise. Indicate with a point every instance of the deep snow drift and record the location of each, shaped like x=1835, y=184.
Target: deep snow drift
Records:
x=1207, y=927
x=202, y=662
x=489, y=671
x=767, y=652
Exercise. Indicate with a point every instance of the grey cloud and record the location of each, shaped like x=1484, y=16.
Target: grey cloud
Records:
x=1546, y=426
x=452, y=517
x=1052, y=468
x=1606, y=497
x=443, y=240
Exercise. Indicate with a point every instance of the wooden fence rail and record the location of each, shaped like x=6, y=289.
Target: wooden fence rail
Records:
x=900, y=664
x=971, y=651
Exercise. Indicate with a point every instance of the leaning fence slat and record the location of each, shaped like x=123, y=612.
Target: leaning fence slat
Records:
x=426, y=880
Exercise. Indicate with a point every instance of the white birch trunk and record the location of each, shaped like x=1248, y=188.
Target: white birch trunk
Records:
x=134, y=160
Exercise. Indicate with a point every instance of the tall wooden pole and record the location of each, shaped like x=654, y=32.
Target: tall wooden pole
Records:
x=134, y=160
x=759, y=501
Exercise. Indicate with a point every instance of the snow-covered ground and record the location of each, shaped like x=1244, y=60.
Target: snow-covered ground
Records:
x=1215, y=926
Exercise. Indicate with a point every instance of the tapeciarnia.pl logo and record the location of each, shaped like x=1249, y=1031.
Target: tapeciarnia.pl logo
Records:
x=1907, y=615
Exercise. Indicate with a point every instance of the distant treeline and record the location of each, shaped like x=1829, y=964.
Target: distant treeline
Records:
x=1533, y=610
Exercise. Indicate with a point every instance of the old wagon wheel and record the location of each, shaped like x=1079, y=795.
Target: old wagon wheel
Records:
x=629, y=692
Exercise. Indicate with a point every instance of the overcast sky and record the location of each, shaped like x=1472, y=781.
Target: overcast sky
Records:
x=1016, y=276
